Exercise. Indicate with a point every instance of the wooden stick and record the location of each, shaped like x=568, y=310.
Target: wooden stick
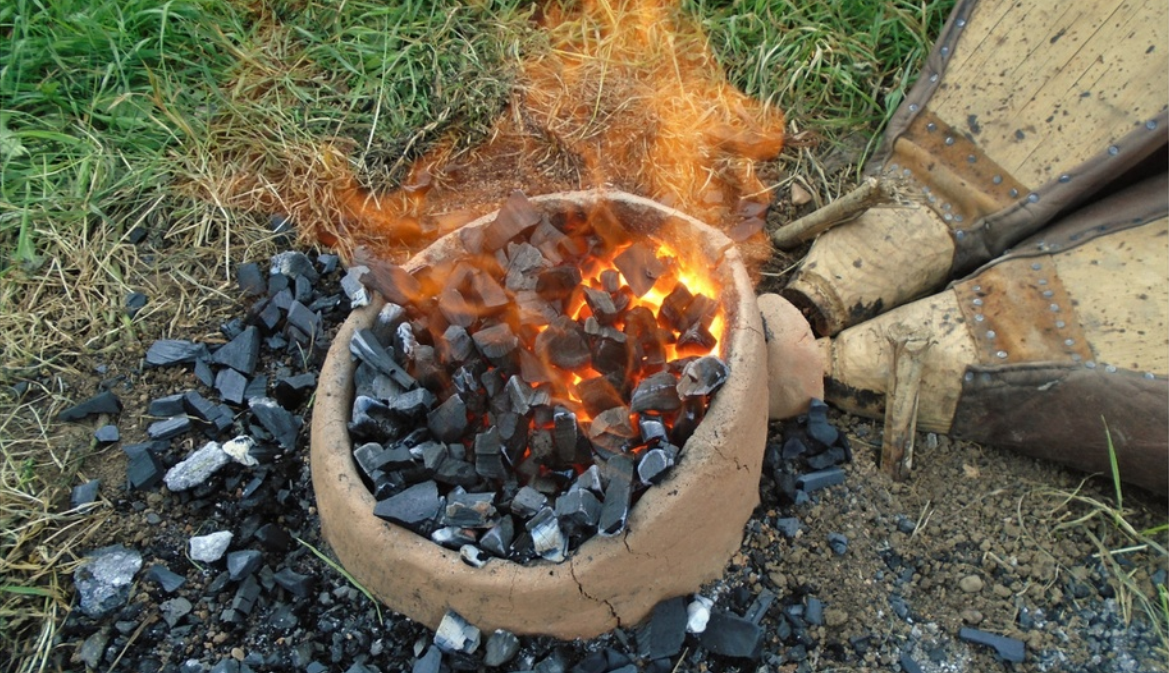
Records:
x=909, y=349
x=872, y=192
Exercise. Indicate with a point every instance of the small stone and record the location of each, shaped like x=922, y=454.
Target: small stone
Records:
x=789, y=526
x=698, y=614
x=174, y=609
x=211, y=547
x=240, y=450
x=502, y=646
x=91, y=650
x=197, y=467
x=103, y=581
x=972, y=616
x=970, y=584
x=838, y=543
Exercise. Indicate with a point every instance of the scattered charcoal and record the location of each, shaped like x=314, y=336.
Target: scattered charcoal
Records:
x=578, y=510
x=240, y=353
x=293, y=263
x=277, y=420
x=696, y=340
x=84, y=494
x=231, y=386
x=303, y=290
x=698, y=614
x=819, y=428
x=104, y=580
x=665, y=630
x=547, y=538
x=303, y=325
x=615, y=508
x=197, y=468
x=242, y=602
x=814, y=481
x=497, y=541
x=448, y=421
x=269, y=315
x=702, y=376
x=502, y=646
x=296, y=584
x=838, y=543
x=563, y=345
x=166, y=352
x=415, y=508
x=641, y=268
x=273, y=537
x=412, y=404
x=496, y=343
x=814, y=611
x=431, y=662
x=369, y=350
x=789, y=527
x=602, y=305
x=241, y=564
x=171, y=405
x=729, y=635
x=760, y=606
x=162, y=576
x=470, y=510
x=454, y=634
x=657, y=392
x=144, y=469
x=104, y=402
x=107, y=434
x=353, y=287
x=527, y=502
x=1008, y=649
x=515, y=217
x=169, y=428
x=135, y=302
x=612, y=429
x=473, y=556
x=557, y=282
x=174, y=609
x=250, y=279
x=209, y=548
x=794, y=447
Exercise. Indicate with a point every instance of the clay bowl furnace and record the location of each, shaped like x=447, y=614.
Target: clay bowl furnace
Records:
x=679, y=535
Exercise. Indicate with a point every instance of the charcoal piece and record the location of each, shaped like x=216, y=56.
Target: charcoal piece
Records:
x=652, y=429
x=819, y=428
x=386, y=484
x=328, y=262
x=199, y=407
x=527, y=502
x=563, y=344
x=826, y=459
x=702, y=376
x=489, y=455
x=404, y=340
x=524, y=261
x=729, y=635
x=389, y=280
x=602, y=306
x=282, y=298
x=657, y=392
x=598, y=395
x=303, y=326
x=296, y=584
x=203, y=372
x=144, y=470
x=104, y=402
x=135, y=302
x=107, y=434
x=579, y=511
x=534, y=311
x=241, y=564
x=909, y=664
x=654, y=465
x=664, y=632
x=469, y=510
x=167, y=580
x=368, y=457
x=273, y=538
x=1008, y=649
x=814, y=611
x=502, y=646
x=171, y=405
x=612, y=429
x=456, y=309
x=590, y=480
x=532, y=370
x=610, y=350
x=434, y=454
x=353, y=288
x=521, y=396
x=513, y=434
x=413, y=404
x=250, y=280
x=496, y=343
x=789, y=527
x=366, y=347
x=290, y=391
x=516, y=216
x=553, y=244
x=268, y=313
x=429, y=662
x=456, y=345
x=83, y=494
x=547, y=539
x=302, y=289
x=641, y=268
x=370, y=382
x=497, y=541
x=415, y=508
x=455, y=634
x=488, y=294
x=814, y=481
x=557, y=282
x=473, y=556
x=759, y=607
x=277, y=420
x=293, y=263
x=686, y=421
x=566, y=434
x=240, y=353
x=615, y=508
x=793, y=447
x=448, y=421
x=231, y=385
x=169, y=428
x=453, y=537
x=426, y=369
x=166, y=352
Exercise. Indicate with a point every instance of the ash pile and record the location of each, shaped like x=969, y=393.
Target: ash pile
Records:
x=517, y=400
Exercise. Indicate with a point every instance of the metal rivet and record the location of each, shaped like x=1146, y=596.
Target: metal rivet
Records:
x=1013, y=193
x=998, y=179
x=1069, y=342
x=978, y=317
x=959, y=235
x=931, y=127
x=1065, y=178
x=934, y=77
x=971, y=158
x=1002, y=355
x=1113, y=150
x=1055, y=308
x=1048, y=294
x=1111, y=369
x=958, y=218
x=945, y=52
x=1036, y=266
x=914, y=107
x=1151, y=124
x=968, y=377
x=1033, y=198
x=1150, y=375
x=1090, y=365
x=961, y=23
x=949, y=140
x=990, y=334
x=946, y=206
x=947, y=217
x=977, y=301
x=1060, y=324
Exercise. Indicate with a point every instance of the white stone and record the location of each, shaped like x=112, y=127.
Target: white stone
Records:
x=239, y=449
x=211, y=547
x=197, y=467
x=698, y=614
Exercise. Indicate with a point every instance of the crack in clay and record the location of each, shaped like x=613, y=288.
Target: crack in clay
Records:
x=581, y=589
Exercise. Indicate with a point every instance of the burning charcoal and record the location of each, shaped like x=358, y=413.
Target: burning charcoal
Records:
x=652, y=429
x=169, y=428
x=673, y=309
x=250, y=280
x=283, y=426
x=513, y=434
x=433, y=455
x=293, y=263
x=369, y=350
x=171, y=405
x=814, y=481
x=534, y=311
x=702, y=376
x=609, y=349
x=615, y=508
x=645, y=339
x=578, y=511
x=231, y=385
x=819, y=428
x=470, y=510
x=602, y=306
x=390, y=281
x=487, y=292
x=654, y=465
x=515, y=217
x=352, y=286
x=291, y=391
x=1009, y=649
x=456, y=345
x=590, y=480
x=412, y=404
x=497, y=343
x=532, y=370
x=686, y=421
x=563, y=345
x=455, y=472
x=729, y=635
x=696, y=340
x=415, y=508
x=456, y=309
x=527, y=502
x=107, y=434
x=662, y=635
x=598, y=395
x=448, y=421
x=426, y=369
x=657, y=392
x=542, y=446
x=453, y=537
x=389, y=318
x=566, y=435
x=558, y=282
x=303, y=325
x=166, y=352
x=524, y=261
x=612, y=429
x=404, y=340
x=489, y=455
x=498, y=540
x=554, y=244
x=473, y=556
x=547, y=538
x=640, y=267
x=240, y=353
